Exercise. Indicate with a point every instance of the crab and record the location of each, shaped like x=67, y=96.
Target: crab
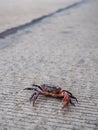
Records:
x=51, y=90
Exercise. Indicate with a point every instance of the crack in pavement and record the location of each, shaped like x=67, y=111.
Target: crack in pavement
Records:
x=14, y=30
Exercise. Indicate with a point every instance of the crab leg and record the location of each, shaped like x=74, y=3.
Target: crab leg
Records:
x=34, y=97
x=71, y=102
x=71, y=95
x=37, y=86
x=74, y=98
x=31, y=98
x=29, y=89
x=65, y=104
x=32, y=89
x=66, y=99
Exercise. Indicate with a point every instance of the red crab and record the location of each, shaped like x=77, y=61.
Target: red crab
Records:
x=54, y=91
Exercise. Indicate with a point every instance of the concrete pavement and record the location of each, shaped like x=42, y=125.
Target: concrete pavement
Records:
x=61, y=50
x=14, y=13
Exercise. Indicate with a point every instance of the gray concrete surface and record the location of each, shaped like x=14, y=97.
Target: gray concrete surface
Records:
x=61, y=50
x=14, y=12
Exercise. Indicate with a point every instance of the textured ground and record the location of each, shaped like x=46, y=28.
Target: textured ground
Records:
x=14, y=12
x=61, y=50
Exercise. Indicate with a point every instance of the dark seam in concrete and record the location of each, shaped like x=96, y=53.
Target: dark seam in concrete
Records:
x=35, y=21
